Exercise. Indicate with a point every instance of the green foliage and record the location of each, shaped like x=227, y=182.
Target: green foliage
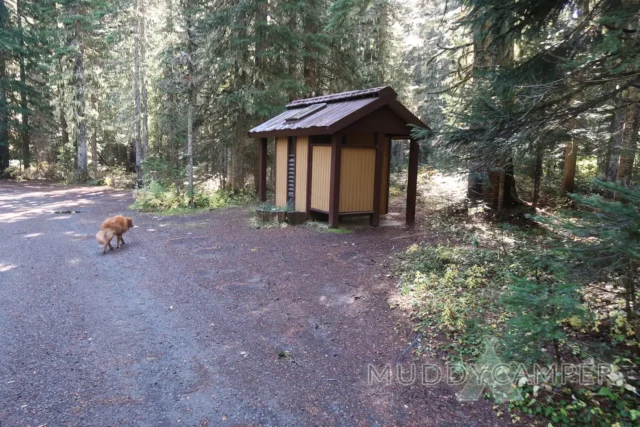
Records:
x=157, y=197
x=529, y=292
x=613, y=403
x=456, y=290
x=605, y=234
x=539, y=303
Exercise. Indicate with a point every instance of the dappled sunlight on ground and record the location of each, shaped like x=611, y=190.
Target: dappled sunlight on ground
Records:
x=439, y=190
x=6, y=267
x=16, y=204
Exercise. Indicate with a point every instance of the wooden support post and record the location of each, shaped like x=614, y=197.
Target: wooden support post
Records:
x=334, y=191
x=262, y=170
x=412, y=181
x=309, y=172
x=377, y=181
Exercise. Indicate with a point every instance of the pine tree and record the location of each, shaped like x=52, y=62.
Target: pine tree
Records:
x=613, y=232
x=540, y=302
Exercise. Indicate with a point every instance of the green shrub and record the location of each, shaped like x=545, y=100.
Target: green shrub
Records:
x=158, y=197
x=455, y=290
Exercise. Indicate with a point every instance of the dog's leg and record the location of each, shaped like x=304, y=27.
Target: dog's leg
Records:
x=118, y=237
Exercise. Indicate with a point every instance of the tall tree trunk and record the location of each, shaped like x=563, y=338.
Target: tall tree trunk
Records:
x=501, y=190
x=310, y=64
x=4, y=107
x=383, y=43
x=478, y=174
x=81, y=125
x=292, y=58
x=24, y=103
x=571, y=149
x=171, y=98
x=569, y=173
x=629, y=136
x=613, y=153
x=537, y=177
x=190, y=151
x=94, y=151
x=192, y=104
x=142, y=40
x=136, y=88
x=64, y=130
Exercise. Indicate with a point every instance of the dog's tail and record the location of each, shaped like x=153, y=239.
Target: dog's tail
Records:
x=104, y=236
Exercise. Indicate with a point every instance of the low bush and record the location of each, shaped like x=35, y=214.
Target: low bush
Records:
x=561, y=292
x=157, y=197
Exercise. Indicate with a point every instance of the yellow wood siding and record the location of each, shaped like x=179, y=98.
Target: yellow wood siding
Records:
x=384, y=191
x=302, y=154
x=356, y=179
x=321, y=177
x=281, y=172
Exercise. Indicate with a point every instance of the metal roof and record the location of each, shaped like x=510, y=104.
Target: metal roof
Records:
x=341, y=110
x=353, y=94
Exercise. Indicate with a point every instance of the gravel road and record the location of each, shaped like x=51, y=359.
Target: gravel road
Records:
x=198, y=320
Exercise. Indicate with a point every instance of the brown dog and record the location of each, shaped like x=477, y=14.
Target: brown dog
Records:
x=113, y=227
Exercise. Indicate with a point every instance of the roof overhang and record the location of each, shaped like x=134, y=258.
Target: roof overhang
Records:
x=342, y=110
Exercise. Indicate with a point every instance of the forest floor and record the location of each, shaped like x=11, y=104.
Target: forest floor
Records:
x=201, y=320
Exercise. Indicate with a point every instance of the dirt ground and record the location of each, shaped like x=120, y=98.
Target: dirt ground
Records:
x=200, y=320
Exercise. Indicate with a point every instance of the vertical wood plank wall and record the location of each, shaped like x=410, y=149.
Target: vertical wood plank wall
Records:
x=281, y=172
x=320, y=177
x=384, y=191
x=302, y=154
x=357, y=179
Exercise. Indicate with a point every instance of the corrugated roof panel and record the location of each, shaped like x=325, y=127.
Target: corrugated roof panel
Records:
x=343, y=96
x=325, y=117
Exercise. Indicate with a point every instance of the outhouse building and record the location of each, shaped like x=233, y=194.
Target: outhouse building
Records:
x=333, y=154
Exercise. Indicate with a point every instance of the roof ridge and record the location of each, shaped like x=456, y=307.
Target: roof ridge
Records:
x=343, y=96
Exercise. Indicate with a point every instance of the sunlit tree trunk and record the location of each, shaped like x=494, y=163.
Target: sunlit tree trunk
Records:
x=142, y=41
x=569, y=173
x=537, y=177
x=80, y=85
x=136, y=88
x=24, y=102
x=4, y=108
x=191, y=94
x=571, y=149
x=629, y=136
x=615, y=143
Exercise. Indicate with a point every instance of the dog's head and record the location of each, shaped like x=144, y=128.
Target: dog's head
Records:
x=129, y=223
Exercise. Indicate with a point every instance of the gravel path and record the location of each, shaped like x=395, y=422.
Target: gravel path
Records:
x=198, y=320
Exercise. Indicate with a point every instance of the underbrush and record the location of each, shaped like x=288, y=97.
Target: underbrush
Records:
x=546, y=304
x=156, y=197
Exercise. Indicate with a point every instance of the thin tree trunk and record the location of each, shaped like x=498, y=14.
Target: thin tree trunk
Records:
x=501, y=191
x=192, y=103
x=615, y=143
x=571, y=149
x=629, y=137
x=142, y=41
x=24, y=102
x=81, y=125
x=4, y=111
x=94, y=151
x=310, y=22
x=537, y=177
x=569, y=174
x=190, y=152
x=64, y=129
x=136, y=88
